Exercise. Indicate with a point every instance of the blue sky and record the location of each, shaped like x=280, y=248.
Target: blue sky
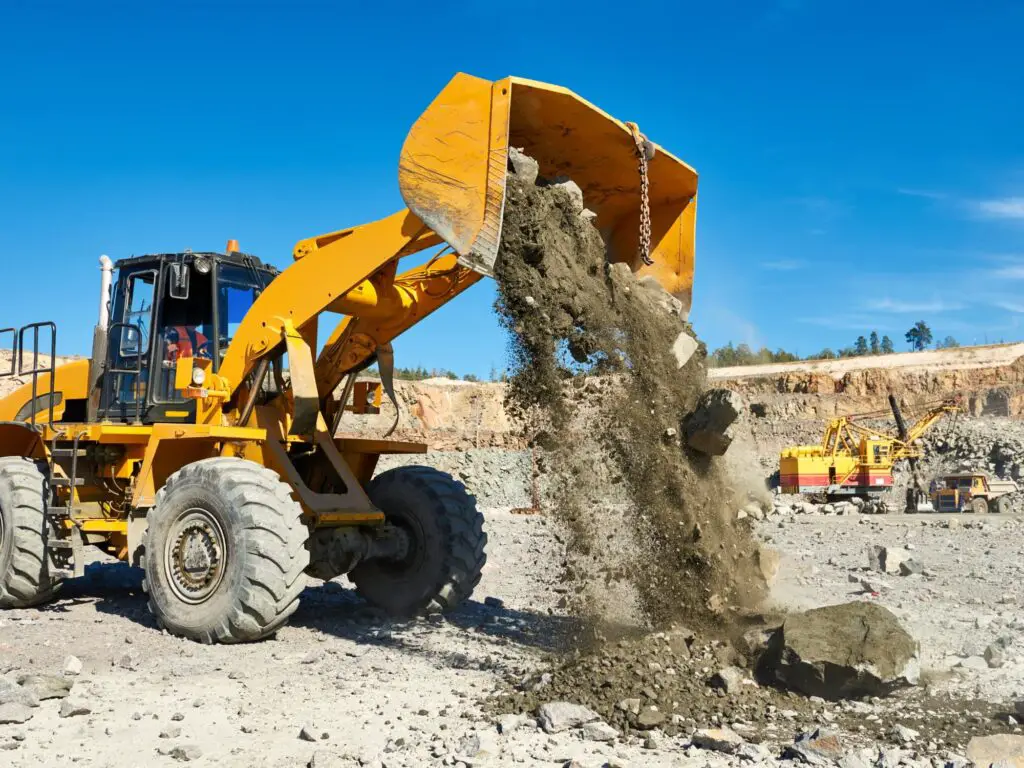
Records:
x=861, y=164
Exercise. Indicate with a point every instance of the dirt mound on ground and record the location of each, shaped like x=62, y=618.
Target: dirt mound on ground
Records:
x=602, y=396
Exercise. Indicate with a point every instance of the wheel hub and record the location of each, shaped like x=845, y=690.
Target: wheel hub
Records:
x=195, y=556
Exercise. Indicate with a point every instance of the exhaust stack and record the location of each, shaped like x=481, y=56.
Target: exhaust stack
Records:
x=106, y=276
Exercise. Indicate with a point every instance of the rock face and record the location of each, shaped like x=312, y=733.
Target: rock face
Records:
x=708, y=428
x=843, y=651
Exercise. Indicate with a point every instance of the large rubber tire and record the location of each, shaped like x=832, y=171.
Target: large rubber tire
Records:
x=239, y=515
x=446, y=548
x=25, y=564
x=979, y=506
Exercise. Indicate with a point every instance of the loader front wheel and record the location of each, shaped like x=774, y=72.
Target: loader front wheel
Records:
x=446, y=550
x=25, y=564
x=225, y=552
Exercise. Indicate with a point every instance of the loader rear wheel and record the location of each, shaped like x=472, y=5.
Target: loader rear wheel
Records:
x=979, y=506
x=225, y=552
x=445, y=555
x=25, y=564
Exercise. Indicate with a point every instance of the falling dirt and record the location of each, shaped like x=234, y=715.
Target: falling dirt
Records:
x=654, y=539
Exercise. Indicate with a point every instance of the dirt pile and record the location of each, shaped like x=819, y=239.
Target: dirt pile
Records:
x=603, y=398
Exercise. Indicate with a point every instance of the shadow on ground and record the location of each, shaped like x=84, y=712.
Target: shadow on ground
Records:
x=334, y=609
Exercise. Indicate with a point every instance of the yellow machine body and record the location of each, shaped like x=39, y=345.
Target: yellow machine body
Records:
x=452, y=173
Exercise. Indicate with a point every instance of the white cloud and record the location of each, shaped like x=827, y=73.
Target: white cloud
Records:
x=1010, y=306
x=1011, y=272
x=784, y=265
x=899, y=307
x=1000, y=208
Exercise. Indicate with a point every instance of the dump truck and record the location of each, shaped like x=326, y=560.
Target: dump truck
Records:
x=198, y=441
x=977, y=492
x=856, y=460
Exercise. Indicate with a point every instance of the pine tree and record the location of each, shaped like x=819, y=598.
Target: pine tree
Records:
x=861, y=347
x=887, y=347
x=874, y=343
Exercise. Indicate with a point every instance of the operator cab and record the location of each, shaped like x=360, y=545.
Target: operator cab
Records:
x=168, y=307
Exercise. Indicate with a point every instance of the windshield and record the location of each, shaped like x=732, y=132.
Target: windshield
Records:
x=237, y=289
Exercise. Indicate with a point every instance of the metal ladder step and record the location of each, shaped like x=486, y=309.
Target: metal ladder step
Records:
x=62, y=544
x=62, y=573
x=68, y=453
x=64, y=482
x=58, y=513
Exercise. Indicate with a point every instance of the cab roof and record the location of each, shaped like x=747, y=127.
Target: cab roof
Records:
x=234, y=257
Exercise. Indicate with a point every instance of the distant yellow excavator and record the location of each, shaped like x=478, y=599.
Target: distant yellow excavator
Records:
x=854, y=460
x=183, y=447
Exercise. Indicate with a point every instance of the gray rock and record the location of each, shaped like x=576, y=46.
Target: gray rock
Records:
x=599, y=731
x=525, y=167
x=903, y=735
x=171, y=732
x=817, y=747
x=14, y=712
x=72, y=666
x=709, y=427
x=572, y=189
x=650, y=717
x=729, y=679
x=911, y=567
x=887, y=559
x=12, y=693
x=683, y=348
x=508, y=723
x=629, y=705
x=850, y=650
x=557, y=716
x=973, y=663
x=718, y=740
x=69, y=708
x=46, y=686
x=995, y=656
x=186, y=753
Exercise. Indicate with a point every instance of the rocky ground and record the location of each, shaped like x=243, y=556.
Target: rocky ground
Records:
x=342, y=686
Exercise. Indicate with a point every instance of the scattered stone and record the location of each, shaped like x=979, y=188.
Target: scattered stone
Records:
x=599, y=731
x=69, y=708
x=903, y=735
x=171, y=732
x=650, y=717
x=708, y=428
x=683, y=348
x=186, y=753
x=729, y=679
x=46, y=686
x=72, y=666
x=849, y=650
x=911, y=568
x=886, y=559
x=494, y=602
x=13, y=713
x=557, y=716
x=718, y=740
x=817, y=747
x=509, y=723
x=973, y=663
x=629, y=705
x=129, y=661
x=1004, y=749
x=523, y=166
x=995, y=653
x=12, y=693
x=306, y=734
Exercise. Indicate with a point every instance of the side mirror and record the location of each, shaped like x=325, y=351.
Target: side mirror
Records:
x=177, y=287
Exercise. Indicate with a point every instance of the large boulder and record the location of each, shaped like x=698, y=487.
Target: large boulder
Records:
x=843, y=651
x=1004, y=749
x=709, y=427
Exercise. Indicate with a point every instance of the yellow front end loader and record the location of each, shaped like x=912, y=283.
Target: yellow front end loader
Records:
x=198, y=441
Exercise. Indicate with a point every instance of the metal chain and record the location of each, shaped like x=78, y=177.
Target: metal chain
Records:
x=644, y=151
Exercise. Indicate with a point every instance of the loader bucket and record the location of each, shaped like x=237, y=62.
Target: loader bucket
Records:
x=454, y=163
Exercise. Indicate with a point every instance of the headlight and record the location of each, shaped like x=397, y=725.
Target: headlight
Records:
x=202, y=265
x=198, y=376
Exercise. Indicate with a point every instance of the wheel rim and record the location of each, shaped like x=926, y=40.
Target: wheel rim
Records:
x=195, y=555
x=3, y=533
